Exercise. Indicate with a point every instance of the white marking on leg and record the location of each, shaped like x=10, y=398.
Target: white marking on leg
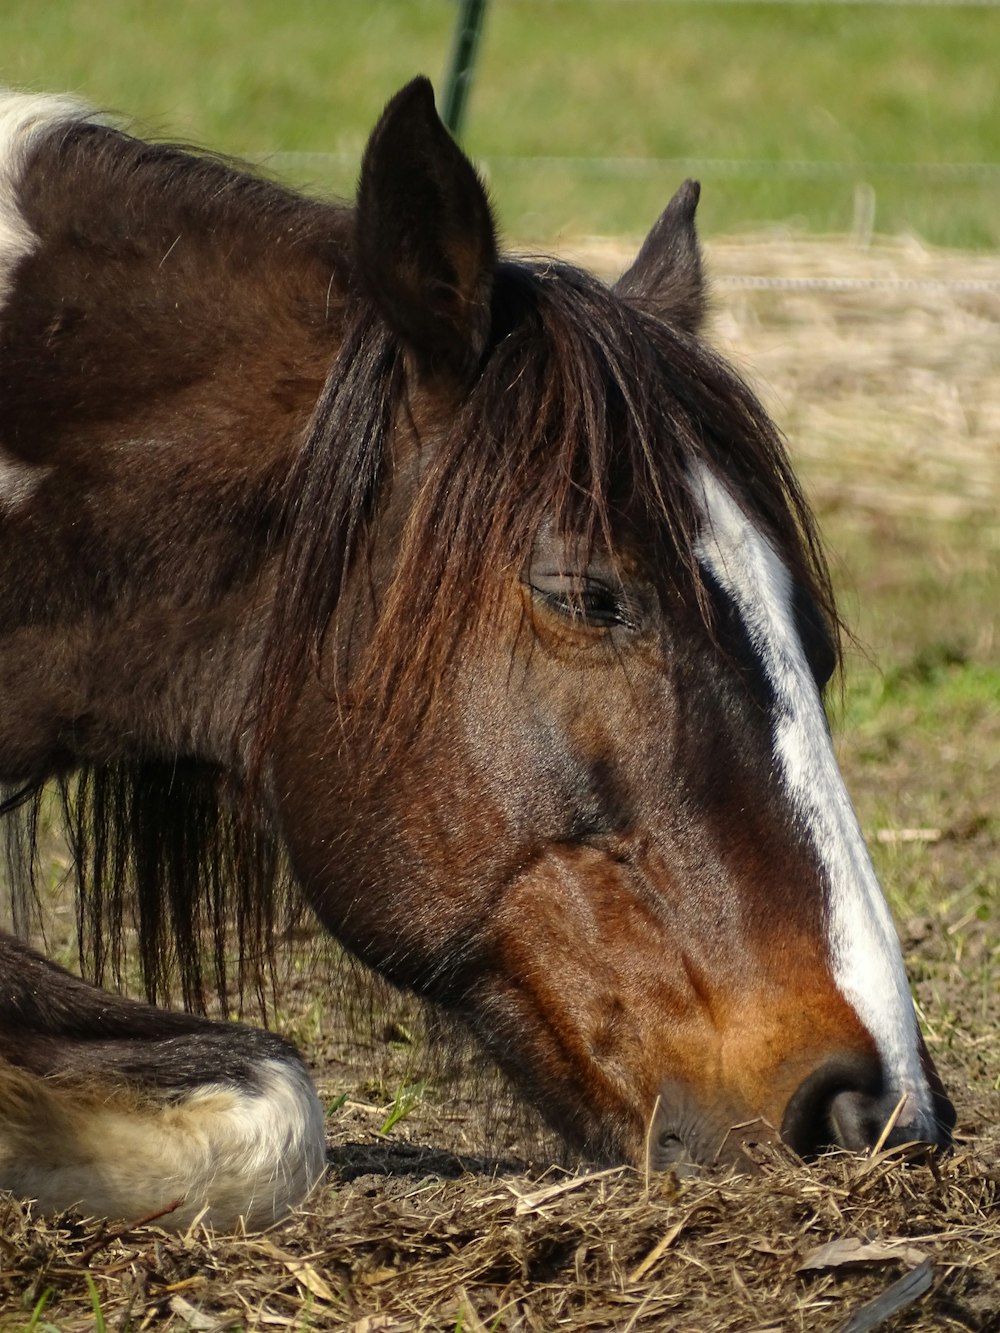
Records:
x=232, y=1152
x=267, y=1149
x=866, y=961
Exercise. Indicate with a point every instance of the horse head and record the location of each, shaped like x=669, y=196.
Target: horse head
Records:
x=564, y=766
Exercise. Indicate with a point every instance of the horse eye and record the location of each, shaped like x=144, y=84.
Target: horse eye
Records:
x=585, y=599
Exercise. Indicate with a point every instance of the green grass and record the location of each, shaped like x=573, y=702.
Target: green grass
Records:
x=36, y=1324
x=918, y=735
x=407, y=1098
x=581, y=79
x=919, y=727
x=937, y=685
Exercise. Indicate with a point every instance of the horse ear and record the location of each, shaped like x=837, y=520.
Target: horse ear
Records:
x=666, y=278
x=425, y=237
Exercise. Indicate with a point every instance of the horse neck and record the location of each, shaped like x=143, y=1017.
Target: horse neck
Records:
x=149, y=669
x=137, y=503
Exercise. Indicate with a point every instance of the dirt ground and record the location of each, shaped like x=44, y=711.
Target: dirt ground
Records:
x=443, y=1208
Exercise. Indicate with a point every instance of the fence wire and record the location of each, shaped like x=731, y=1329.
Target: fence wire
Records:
x=943, y=286
x=865, y=176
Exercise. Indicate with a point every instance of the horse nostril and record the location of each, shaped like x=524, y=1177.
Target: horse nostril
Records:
x=668, y=1149
x=856, y=1122
x=831, y=1108
x=844, y=1104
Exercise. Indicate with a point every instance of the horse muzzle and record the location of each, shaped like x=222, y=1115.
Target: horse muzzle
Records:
x=843, y=1104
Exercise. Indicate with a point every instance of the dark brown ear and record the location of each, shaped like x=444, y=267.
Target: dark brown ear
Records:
x=425, y=238
x=666, y=278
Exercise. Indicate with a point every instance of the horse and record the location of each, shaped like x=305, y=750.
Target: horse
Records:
x=481, y=594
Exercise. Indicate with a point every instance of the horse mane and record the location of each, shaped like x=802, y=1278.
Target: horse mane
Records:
x=175, y=884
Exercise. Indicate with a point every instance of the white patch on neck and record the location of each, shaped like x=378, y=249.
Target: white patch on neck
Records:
x=865, y=957
x=23, y=118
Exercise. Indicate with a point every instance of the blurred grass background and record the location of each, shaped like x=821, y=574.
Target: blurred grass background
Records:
x=586, y=113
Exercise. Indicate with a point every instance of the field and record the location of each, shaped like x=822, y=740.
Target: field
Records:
x=880, y=358
x=586, y=113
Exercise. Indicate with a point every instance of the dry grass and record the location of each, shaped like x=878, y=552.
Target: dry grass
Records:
x=888, y=389
x=417, y=1249
x=891, y=395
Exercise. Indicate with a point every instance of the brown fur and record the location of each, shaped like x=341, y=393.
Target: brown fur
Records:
x=348, y=541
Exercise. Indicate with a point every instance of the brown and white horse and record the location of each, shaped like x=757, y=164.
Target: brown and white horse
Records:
x=483, y=592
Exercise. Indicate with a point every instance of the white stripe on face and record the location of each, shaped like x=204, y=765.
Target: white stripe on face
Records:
x=865, y=957
x=23, y=116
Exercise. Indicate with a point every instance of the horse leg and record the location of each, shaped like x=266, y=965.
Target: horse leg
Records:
x=121, y=1109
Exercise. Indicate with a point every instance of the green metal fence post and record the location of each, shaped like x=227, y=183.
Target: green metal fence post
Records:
x=463, y=56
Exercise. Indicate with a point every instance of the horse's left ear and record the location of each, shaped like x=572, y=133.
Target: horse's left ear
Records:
x=666, y=278
x=425, y=238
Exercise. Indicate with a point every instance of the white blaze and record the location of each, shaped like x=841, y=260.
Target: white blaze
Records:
x=865, y=957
